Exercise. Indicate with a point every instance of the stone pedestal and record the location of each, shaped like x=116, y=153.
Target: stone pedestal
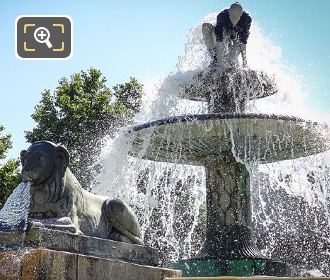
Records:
x=50, y=254
x=44, y=264
x=229, y=234
x=229, y=247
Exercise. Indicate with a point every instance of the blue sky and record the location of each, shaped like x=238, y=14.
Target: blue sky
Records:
x=144, y=39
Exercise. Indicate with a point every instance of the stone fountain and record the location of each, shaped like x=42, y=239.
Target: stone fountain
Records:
x=225, y=141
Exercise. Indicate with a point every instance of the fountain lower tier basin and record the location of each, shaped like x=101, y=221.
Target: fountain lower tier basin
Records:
x=262, y=138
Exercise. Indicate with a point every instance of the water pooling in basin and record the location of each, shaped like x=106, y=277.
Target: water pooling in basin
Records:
x=170, y=196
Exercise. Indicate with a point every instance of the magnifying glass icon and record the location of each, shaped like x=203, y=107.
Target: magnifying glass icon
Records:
x=42, y=35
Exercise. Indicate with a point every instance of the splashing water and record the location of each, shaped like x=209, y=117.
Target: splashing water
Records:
x=14, y=214
x=290, y=198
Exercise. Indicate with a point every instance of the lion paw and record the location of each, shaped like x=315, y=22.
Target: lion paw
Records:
x=61, y=224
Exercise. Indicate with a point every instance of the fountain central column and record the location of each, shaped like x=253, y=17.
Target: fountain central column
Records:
x=229, y=234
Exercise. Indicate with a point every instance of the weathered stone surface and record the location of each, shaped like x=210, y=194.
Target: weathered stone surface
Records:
x=96, y=268
x=228, y=232
x=10, y=266
x=61, y=241
x=44, y=264
x=247, y=278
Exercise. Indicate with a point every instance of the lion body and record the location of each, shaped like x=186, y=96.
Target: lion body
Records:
x=56, y=195
x=82, y=207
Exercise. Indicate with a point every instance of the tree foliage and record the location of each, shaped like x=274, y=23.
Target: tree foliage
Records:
x=81, y=112
x=9, y=173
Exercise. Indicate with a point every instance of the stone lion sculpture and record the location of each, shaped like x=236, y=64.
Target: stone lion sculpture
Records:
x=58, y=201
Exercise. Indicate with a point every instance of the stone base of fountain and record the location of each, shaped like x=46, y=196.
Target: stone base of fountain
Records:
x=50, y=254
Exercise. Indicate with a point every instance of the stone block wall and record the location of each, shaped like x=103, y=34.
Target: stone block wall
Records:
x=45, y=264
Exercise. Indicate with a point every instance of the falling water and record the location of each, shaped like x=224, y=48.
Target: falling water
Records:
x=14, y=214
x=290, y=198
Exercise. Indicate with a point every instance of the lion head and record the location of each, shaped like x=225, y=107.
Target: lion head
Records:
x=44, y=165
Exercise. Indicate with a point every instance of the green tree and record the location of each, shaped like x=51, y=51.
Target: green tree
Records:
x=9, y=173
x=80, y=113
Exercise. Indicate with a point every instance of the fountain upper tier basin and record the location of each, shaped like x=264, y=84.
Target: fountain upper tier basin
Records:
x=261, y=138
x=244, y=84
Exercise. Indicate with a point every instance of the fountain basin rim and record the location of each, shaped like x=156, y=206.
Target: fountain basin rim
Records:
x=202, y=117
x=271, y=138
